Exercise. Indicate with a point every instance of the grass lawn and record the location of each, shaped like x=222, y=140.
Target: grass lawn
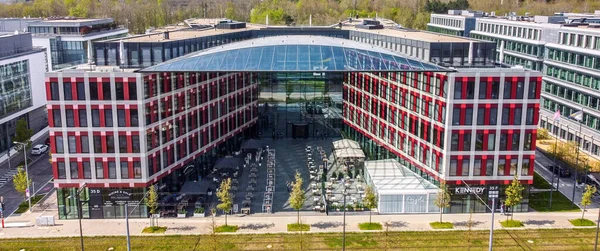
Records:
x=154, y=230
x=298, y=227
x=370, y=226
x=441, y=225
x=511, y=223
x=504, y=239
x=24, y=206
x=560, y=203
x=227, y=229
x=582, y=222
x=539, y=182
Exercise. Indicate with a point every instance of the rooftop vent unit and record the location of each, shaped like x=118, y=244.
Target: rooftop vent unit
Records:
x=370, y=25
x=230, y=25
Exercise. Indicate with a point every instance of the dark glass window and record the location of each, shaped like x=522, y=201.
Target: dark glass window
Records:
x=97, y=144
x=67, y=91
x=80, y=91
x=120, y=91
x=122, y=144
x=507, y=90
x=133, y=115
x=121, y=117
x=124, y=170
x=70, y=117
x=99, y=170
x=106, y=91
x=108, y=118
x=93, y=91
x=110, y=144
x=483, y=90
x=132, y=91
x=95, y=118
x=82, y=118
x=85, y=144
x=57, y=118
x=54, y=92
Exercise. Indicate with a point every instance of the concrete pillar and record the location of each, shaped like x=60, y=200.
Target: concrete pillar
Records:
x=470, y=59
x=501, y=54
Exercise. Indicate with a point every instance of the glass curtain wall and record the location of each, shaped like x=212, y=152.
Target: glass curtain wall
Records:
x=310, y=98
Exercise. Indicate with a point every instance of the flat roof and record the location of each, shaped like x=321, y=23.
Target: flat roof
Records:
x=406, y=33
x=71, y=22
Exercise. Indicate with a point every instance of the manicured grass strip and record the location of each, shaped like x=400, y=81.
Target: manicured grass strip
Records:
x=24, y=206
x=539, y=182
x=227, y=229
x=511, y=223
x=457, y=240
x=298, y=227
x=441, y=225
x=154, y=230
x=370, y=226
x=560, y=203
x=582, y=222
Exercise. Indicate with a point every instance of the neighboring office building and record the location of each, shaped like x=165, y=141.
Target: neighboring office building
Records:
x=456, y=22
x=66, y=39
x=22, y=94
x=120, y=144
x=566, y=49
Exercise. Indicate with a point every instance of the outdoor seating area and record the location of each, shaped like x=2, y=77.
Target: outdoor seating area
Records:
x=267, y=205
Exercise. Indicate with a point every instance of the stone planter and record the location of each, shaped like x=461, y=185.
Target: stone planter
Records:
x=200, y=215
x=180, y=215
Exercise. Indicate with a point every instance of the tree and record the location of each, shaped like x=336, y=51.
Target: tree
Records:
x=370, y=200
x=225, y=197
x=297, y=196
x=586, y=198
x=20, y=181
x=542, y=134
x=152, y=203
x=514, y=194
x=443, y=199
x=22, y=134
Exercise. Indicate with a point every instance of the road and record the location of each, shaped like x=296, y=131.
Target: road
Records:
x=40, y=172
x=565, y=184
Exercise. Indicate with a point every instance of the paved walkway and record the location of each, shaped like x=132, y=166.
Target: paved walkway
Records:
x=274, y=223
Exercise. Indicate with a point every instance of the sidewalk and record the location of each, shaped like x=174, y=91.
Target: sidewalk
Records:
x=276, y=223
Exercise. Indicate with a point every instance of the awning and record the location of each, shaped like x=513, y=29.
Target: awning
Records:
x=252, y=144
x=349, y=153
x=390, y=177
x=346, y=144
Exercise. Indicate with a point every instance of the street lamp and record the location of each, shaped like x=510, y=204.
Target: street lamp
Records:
x=493, y=194
x=27, y=192
x=80, y=211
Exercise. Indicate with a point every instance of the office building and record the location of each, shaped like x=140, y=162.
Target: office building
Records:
x=158, y=108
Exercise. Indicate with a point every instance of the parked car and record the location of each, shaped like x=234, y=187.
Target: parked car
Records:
x=39, y=149
x=560, y=171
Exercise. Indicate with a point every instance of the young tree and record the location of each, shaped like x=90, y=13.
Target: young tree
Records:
x=443, y=199
x=225, y=197
x=152, y=203
x=297, y=196
x=20, y=181
x=586, y=198
x=22, y=134
x=514, y=194
x=370, y=200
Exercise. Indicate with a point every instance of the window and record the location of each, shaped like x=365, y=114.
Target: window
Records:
x=137, y=169
x=470, y=90
x=454, y=145
x=97, y=144
x=513, y=167
x=106, y=91
x=112, y=170
x=453, y=167
x=132, y=91
x=122, y=144
x=80, y=91
x=503, y=140
x=477, y=167
x=82, y=118
x=456, y=116
x=505, y=115
x=467, y=142
x=124, y=170
x=491, y=142
x=121, y=117
x=67, y=91
x=57, y=118
x=525, y=167
x=85, y=144
x=517, y=114
x=87, y=170
x=108, y=117
x=99, y=170
x=520, y=89
x=74, y=171
x=527, y=143
x=515, y=141
x=507, y=90
x=133, y=116
x=135, y=143
x=54, y=92
x=110, y=144
x=495, y=90
x=529, y=118
x=465, y=167
x=62, y=174
x=458, y=90
x=70, y=117
x=469, y=116
x=72, y=144
x=483, y=90
x=493, y=115
x=489, y=167
x=501, y=167
x=120, y=91
x=480, y=116
x=59, y=144
x=532, y=90
x=93, y=91
x=95, y=118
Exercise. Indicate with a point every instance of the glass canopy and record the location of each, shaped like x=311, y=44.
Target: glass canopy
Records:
x=295, y=54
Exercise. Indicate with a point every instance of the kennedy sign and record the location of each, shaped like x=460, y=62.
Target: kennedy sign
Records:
x=469, y=190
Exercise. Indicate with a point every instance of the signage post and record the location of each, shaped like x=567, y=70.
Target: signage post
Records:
x=493, y=194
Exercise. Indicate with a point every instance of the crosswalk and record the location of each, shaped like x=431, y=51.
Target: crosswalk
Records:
x=6, y=177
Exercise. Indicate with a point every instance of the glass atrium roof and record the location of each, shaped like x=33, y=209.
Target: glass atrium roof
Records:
x=295, y=54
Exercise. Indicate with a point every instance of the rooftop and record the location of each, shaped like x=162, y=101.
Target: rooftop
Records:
x=395, y=31
x=70, y=22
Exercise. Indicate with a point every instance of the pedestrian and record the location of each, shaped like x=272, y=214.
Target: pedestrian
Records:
x=502, y=208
